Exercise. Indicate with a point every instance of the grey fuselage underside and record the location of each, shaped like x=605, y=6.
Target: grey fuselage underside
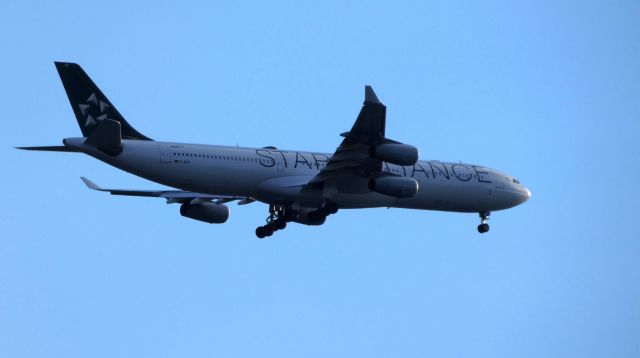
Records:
x=276, y=176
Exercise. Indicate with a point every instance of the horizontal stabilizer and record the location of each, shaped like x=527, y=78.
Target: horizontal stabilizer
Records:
x=51, y=148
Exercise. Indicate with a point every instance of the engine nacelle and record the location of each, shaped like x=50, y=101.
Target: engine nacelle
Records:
x=399, y=187
x=396, y=153
x=208, y=212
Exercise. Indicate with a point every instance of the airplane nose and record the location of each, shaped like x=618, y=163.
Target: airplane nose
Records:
x=524, y=196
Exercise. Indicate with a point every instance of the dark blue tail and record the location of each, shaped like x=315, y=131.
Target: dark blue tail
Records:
x=89, y=104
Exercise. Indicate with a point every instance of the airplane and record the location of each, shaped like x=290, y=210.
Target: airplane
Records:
x=367, y=170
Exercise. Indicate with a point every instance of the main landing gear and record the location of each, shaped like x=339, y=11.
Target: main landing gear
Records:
x=277, y=220
x=484, y=217
x=280, y=215
x=319, y=215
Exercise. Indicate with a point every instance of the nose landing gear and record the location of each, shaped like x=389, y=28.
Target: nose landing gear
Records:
x=484, y=217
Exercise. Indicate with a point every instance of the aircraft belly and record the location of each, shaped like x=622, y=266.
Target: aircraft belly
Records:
x=444, y=196
x=227, y=180
x=288, y=188
x=368, y=200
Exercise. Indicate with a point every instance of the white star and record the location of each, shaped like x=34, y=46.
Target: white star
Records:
x=103, y=106
x=84, y=108
x=92, y=99
x=90, y=121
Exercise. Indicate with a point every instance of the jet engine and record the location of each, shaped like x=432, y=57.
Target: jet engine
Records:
x=208, y=212
x=399, y=187
x=396, y=153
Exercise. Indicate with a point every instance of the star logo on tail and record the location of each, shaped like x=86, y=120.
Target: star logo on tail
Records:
x=94, y=110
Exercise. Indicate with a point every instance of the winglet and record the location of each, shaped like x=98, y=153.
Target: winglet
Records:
x=90, y=184
x=370, y=96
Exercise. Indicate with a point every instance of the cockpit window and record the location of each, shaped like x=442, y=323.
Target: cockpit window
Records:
x=516, y=181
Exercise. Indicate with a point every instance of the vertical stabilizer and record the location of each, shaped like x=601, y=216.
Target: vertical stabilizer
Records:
x=89, y=104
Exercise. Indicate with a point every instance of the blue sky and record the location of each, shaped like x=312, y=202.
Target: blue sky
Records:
x=545, y=90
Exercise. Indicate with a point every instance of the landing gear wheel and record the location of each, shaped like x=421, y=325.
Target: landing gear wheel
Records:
x=484, y=217
x=331, y=208
x=316, y=216
x=482, y=228
x=278, y=217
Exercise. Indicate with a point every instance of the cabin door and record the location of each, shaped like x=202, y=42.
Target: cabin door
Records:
x=165, y=153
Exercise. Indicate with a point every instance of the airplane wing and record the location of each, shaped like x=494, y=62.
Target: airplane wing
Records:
x=352, y=158
x=172, y=196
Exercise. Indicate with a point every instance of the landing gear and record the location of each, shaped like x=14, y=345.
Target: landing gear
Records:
x=264, y=231
x=277, y=220
x=320, y=215
x=317, y=216
x=482, y=228
x=330, y=208
x=280, y=215
x=484, y=217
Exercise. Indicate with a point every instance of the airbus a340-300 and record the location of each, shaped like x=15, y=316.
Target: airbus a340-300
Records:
x=367, y=170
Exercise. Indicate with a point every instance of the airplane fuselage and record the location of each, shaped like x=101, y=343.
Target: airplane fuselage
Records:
x=272, y=175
